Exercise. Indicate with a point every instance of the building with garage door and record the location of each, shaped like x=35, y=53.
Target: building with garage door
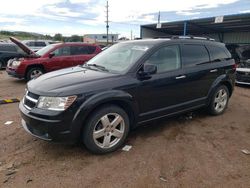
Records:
x=230, y=29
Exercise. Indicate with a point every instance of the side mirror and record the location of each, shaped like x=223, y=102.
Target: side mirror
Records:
x=51, y=55
x=147, y=71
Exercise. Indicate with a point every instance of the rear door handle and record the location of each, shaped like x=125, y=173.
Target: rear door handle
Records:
x=180, y=77
x=214, y=70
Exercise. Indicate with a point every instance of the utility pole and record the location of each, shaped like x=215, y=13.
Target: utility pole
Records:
x=107, y=22
x=131, y=35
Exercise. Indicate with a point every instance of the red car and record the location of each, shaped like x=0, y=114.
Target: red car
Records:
x=50, y=58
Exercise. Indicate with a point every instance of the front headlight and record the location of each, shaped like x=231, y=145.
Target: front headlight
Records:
x=15, y=63
x=55, y=103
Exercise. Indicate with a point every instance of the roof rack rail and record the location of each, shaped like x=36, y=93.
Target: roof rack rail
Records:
x=185, y=37
x=192, y=37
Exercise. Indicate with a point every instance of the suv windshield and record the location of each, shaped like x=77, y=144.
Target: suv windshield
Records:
x=120, y=57
x=44, y=50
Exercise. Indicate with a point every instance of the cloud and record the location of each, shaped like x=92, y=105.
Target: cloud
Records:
x=188, y=13
x=77, y=16
x=63, y=12
x=12, y=20
x=131, y=10
x=244, y=11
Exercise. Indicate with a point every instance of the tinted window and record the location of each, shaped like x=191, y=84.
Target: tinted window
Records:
x=91, y=49
x=82, y=50
x=64, y=51
x=30, y=43
x=8, y=48
x=166, y=59
x=217, y=53
x=40, y=43
x=194, y=55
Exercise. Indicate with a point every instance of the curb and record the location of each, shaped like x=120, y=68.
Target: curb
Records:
x=7, y=101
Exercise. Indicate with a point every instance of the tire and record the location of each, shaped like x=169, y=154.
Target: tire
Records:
x=219, y=100
x=34, y=73
x=109, y=137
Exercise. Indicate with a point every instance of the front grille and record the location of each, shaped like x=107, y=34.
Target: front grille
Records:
x=30, y=100
x=32, y=95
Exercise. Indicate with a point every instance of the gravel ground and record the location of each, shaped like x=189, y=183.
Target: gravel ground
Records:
x=202, y=151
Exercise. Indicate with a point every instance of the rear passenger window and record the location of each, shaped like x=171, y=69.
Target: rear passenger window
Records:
x=79, y=50
x=91, y=49
x=217, y=53
x=82, y=50
x=194, y=55
x=166, y=59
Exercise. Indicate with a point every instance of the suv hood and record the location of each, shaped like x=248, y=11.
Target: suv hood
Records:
x=69, y=81
x=25, y=48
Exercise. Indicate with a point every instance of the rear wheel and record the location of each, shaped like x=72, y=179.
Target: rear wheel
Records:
x=219, y=101
x=105, y=130
x=34, y=73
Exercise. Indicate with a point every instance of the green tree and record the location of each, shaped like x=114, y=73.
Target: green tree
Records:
x=58, y=37
x=75, y=38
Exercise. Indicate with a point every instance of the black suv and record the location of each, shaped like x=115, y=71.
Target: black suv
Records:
x=127, y=85
x=9, y=51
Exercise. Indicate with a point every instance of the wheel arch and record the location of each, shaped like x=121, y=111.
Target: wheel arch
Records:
x=33, y=66
x=118, y=98
x=221, y=80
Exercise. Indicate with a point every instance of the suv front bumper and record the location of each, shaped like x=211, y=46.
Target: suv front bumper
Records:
x=50, y=127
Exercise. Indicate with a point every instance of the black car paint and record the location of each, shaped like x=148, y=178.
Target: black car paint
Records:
x=143, y=99
x=5, y=56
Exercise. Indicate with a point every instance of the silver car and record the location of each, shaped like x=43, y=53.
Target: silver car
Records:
x=36, y=45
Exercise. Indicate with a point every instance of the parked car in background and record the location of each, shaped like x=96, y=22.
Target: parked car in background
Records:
x=50, y=58
x=9, y=51
x=243, y=68
x=128, y=84
x=36, y=45
x=232, y=49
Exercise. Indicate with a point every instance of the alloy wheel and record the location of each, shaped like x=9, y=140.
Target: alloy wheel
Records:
x=35, y=74
x=109, y=130
x=220, y=100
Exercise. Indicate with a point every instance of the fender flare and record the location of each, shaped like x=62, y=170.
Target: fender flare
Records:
x=223, y=79
x=99, y=99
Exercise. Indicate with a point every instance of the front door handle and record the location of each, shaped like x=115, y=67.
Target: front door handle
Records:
x=180, y=77
x=214, y=70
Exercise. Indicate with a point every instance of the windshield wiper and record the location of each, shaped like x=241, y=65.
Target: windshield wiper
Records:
x=97, y=66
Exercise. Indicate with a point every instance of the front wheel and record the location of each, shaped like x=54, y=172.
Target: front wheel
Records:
x=34, y=73
x=219, y=101
x=105, y=130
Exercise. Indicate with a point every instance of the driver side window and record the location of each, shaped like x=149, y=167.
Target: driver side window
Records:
x=166, y=59
x=63, y=51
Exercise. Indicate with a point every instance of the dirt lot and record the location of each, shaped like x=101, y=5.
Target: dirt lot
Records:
x=203, y=151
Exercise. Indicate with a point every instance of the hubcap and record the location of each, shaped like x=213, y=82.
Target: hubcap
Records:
x=109, y=130
x=35, y=74
x=220, y=100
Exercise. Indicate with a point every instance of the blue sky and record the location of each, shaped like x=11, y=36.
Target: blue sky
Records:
x=88, y=16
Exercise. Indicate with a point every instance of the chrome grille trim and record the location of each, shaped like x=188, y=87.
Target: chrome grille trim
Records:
x=31, y=99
